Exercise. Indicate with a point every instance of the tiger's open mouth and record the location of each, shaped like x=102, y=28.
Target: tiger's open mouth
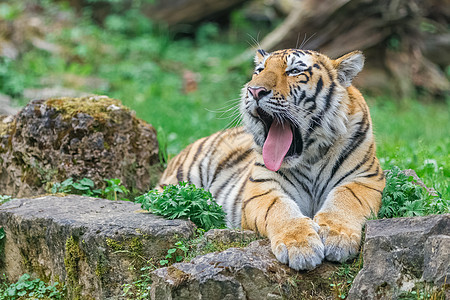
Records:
x=281, y=140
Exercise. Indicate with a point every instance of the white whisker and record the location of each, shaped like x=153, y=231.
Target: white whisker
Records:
x=256, y=44
x=306, y=41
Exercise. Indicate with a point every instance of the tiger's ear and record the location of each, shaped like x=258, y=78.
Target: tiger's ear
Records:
x=348, y=66
x=260, y=55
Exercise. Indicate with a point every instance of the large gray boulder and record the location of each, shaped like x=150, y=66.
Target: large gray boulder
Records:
x=95, y=137
x=91, y=245
x=402, y=255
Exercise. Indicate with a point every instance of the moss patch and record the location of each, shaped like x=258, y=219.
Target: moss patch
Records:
x=99, y=107
x=32, y=265
x=201, y=246
x=73, y=256
x=216, y=246
x=131, y=248
x=102, y=266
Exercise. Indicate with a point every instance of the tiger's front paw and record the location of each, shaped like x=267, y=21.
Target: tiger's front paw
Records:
x=341, y=240
x=298, y=244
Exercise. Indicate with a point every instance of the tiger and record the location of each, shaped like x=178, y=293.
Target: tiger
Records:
x=302, y=170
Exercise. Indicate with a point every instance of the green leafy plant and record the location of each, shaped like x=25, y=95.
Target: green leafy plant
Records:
x=402, y=198
x=172, y=255
x=63, y=187
x=185, y=201
x=113, y=189
x=27, y=288
x=10, y=11
x=85, y=187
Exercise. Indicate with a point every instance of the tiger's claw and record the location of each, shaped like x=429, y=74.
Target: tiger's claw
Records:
x=300, y=246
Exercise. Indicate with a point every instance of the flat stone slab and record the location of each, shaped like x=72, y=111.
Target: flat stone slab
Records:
x=92, y=245
x=246, y=273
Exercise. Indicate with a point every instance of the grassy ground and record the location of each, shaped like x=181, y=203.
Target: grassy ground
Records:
x=143, y=65
x=414, y=135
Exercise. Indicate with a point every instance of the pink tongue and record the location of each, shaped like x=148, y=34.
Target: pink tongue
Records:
x=276, y=145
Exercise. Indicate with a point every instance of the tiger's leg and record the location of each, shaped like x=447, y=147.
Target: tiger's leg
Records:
x=294, y=237
x=343, y=215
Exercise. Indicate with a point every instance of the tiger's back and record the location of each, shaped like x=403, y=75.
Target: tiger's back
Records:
x=303, y=170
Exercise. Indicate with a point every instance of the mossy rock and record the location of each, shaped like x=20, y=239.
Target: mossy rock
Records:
x=92, y=137
x=92, y=246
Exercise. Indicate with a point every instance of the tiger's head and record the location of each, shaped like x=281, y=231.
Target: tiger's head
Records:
x=297, y=102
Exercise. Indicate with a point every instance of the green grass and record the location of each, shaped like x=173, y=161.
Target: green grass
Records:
x=414, y=135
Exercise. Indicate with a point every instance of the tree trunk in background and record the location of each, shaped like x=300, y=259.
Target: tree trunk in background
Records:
x=175, y=12
x=406, y=42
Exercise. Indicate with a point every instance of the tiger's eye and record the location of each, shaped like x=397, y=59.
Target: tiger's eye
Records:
x=259, y=70
x=293, y=72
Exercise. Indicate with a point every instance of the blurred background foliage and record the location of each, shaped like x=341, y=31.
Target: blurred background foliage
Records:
x=181, y=64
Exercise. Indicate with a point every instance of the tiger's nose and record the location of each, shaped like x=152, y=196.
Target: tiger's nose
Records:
x=258, y=92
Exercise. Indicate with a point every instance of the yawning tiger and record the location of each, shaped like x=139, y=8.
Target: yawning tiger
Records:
x=302, y=171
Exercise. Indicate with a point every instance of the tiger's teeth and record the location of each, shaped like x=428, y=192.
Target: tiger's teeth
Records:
x=277, y=144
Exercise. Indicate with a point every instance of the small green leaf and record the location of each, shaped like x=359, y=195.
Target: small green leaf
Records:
x=87, y=182
x=163, y=262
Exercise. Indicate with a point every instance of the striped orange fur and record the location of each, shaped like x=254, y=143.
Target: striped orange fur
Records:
x=302, y=171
